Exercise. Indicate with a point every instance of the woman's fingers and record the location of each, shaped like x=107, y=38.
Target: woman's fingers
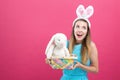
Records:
x=47, y=61
x=77, y=64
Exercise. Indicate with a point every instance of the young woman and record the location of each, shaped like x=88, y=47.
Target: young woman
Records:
x=81, y=45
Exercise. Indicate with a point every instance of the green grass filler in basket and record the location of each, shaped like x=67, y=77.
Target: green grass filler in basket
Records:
x=62, y=63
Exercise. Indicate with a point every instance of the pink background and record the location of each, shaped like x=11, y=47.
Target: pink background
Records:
x=26, y=26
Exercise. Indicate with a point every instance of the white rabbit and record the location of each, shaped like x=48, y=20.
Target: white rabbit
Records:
x=57, y=46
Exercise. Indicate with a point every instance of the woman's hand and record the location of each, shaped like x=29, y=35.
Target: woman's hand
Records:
x=48, y=61
x=77, y=65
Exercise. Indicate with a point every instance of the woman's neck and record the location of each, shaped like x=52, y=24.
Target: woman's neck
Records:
x=78, y=42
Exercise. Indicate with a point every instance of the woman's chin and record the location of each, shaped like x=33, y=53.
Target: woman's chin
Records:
x=79, y=39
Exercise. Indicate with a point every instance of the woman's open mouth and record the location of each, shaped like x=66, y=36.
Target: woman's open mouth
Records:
x=79, y=35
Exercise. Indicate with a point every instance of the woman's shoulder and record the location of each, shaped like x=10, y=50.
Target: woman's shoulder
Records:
x=92, y=44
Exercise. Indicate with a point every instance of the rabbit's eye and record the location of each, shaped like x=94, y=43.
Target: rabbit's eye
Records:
x=58, y=39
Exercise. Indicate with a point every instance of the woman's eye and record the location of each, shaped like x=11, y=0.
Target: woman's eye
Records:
x=77, y=26
x=84, y=27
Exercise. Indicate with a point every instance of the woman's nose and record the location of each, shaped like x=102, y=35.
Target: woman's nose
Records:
x=79, y=29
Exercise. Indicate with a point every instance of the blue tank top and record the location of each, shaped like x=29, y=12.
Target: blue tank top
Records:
x=77, y=73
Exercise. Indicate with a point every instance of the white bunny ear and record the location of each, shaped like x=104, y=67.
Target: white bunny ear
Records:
x=89, y=11
x=84, y=13
x=80, y=11
x=51, y=42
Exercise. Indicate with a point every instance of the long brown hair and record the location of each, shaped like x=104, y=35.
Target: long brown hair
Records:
x=85, y=50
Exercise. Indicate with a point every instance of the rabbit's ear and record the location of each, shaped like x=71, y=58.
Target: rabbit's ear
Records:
x=80, y=11
x=89, y=11
x=51, y=42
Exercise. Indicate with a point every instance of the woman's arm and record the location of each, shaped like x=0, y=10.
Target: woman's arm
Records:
x=94, y=60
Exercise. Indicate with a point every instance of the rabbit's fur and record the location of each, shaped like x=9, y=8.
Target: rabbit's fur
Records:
x=57, y=46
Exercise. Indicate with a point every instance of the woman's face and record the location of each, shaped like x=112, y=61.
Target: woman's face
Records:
x=80, y=31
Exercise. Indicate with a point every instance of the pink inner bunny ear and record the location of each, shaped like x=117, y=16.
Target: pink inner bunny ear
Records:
x=89, y=11
x=81, y=11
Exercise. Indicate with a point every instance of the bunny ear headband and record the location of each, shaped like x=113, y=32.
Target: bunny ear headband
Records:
x=83, y=13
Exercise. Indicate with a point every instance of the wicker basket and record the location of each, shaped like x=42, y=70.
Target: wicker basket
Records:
x=62, y=63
